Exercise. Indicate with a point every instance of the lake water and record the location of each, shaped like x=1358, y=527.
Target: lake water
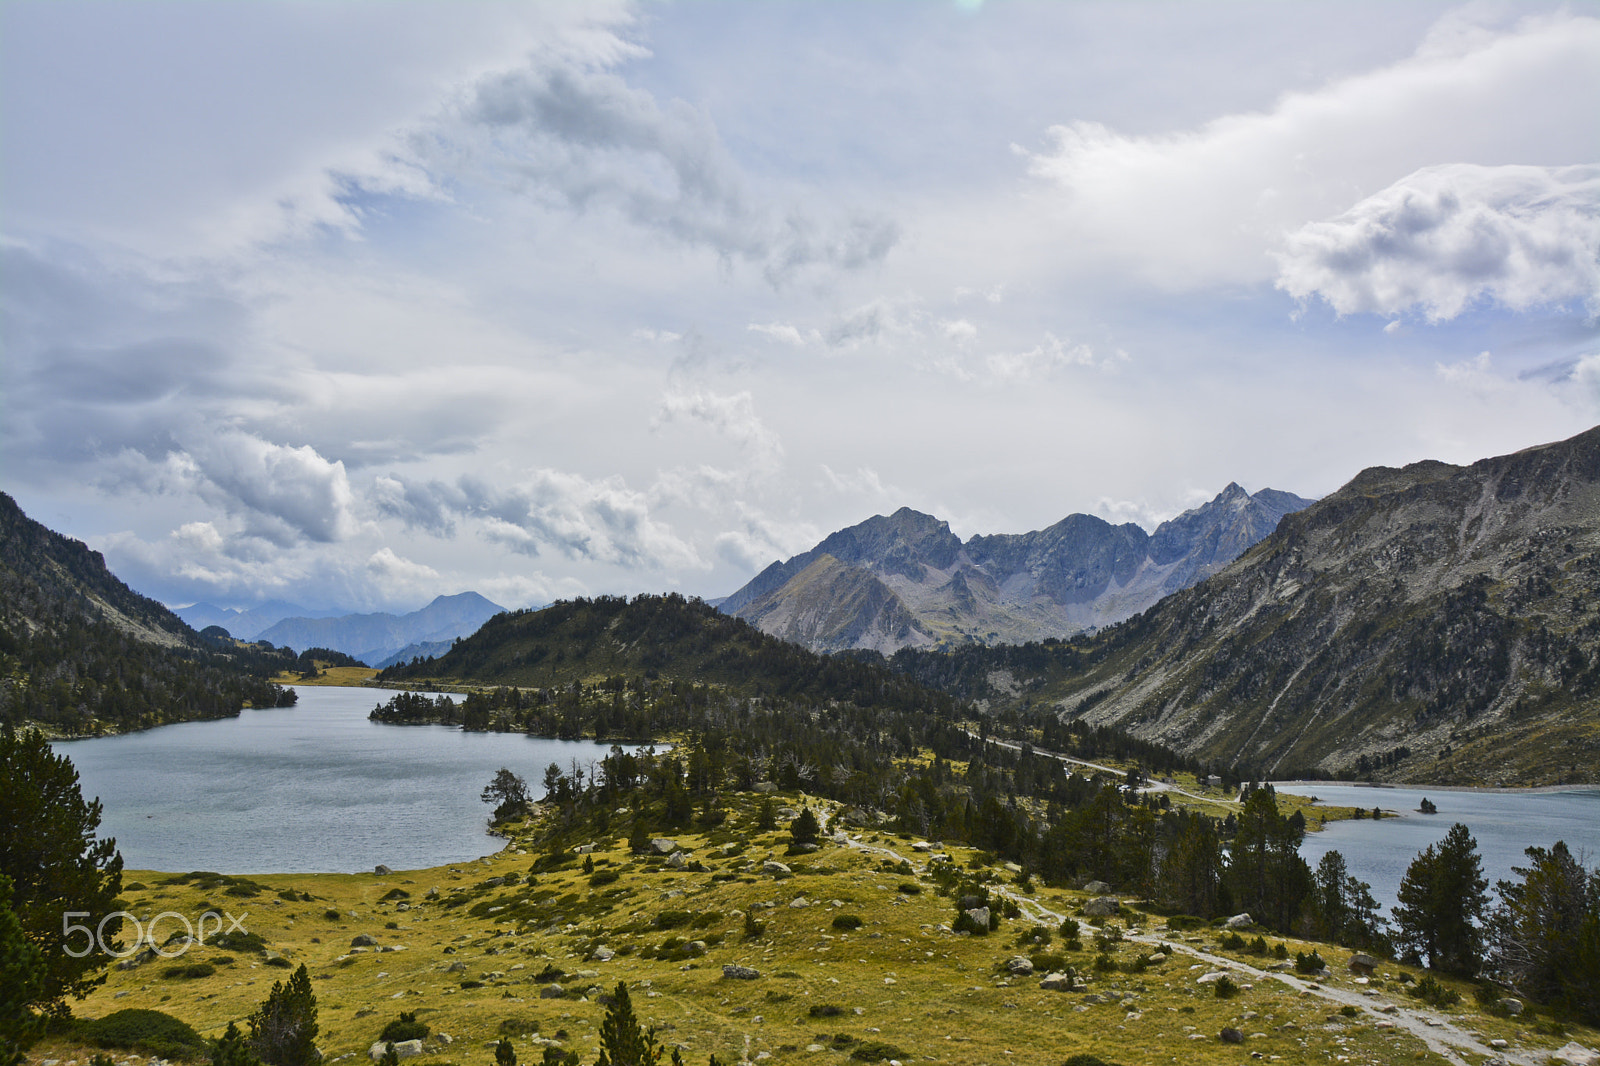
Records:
x=312, y=788
x=1502, y=823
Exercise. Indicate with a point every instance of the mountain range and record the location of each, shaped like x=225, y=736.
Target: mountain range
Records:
x=377, y=639
x=906, y=580
x=1430, y=623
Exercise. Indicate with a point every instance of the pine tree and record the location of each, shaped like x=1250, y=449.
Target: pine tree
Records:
x=22, y=975
x=622, y=1041
x=805, y=829
x=57, y=866
x=504, y=1053
x=283, y=1030
x=1441, y=902
x=233, y=1049
x=1539, y=931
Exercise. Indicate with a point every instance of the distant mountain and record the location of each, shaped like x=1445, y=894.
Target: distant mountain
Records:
x=1433, y=623
x=906, y=581
x=427, y=649
x=82, y=652
x=375, y=638
x=248, y=624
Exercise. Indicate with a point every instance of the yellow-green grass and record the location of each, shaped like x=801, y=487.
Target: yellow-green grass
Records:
x=330, y=677
x=936, y=996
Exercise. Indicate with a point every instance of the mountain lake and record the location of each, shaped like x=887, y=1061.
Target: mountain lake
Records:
x=305, y=789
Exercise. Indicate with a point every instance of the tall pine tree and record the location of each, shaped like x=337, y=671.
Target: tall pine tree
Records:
x=1441, y=904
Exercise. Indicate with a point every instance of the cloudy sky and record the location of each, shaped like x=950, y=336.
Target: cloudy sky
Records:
x=353, y=304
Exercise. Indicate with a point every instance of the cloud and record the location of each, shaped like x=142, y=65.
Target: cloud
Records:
x=761, y=540
x=1207, y=206
x=431, y=506
x=732, y=416
x=577, y=133
x=398, y=577
x=1047, y=357
x=784, y=333
x=865, y=481
x=1445, y=238
x=288, y=487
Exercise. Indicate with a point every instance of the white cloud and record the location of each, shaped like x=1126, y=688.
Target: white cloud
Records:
x=1045, y=358
x=958, y=330
x=733, y=416
x=1207, y=206
x=400, y=578
x=1447, y=237
x=865, y=481
x=783, y=332
x=287, y=486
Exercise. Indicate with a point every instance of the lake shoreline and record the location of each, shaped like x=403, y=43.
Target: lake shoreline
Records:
x=1529, y=790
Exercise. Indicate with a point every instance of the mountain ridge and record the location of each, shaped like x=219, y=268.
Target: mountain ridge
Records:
x=908, y=581
x=379, y=636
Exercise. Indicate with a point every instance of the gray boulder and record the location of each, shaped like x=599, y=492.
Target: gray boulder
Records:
x=1097, y=888
x=552, y=991
x=1510, y=1005
x=1239, y=921
x=677, y=860
x=1019, y=966
x=1231, y=1035
x=363, y=940
x=772, y=866
x=766, y=788
x=663, y=846
x=1363, y=964
x=735, y=972
x=381, y=870
x=1056, y=982
x=1102, y=907
x=406, y=1049
x=979, y=916
x=602, y=954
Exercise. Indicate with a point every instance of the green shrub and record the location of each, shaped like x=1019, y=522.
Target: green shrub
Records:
x=280, y=962
x=149, y=1031
x=1105, y=964
x=876, y=1051
x=332, y=914
x=395, y=893
x=1224, y=988
x=1311, y=963
x=241, y=942
x=405, y=1027
x=753, y=929
x=1280, y=950
x=188, y=972
x=1087, y=1060
x=1180, y=922
x=1258, y=946
x=1349, y=1011
x=1431, y=991
x=601, y=878
x=1232, y=942
x=847, y=922
x=825, y=1010
x=550, y=974
x=909, y=889
x=1070, y=929
x=673, y=919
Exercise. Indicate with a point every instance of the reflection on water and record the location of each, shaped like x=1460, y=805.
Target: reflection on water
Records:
x=315, y=787
x=1503, y=824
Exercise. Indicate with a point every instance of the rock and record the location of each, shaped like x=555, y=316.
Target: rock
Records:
x=766, y=788
x=772, y=866
x=1238, y=921
x=495, y=882
x=1575, y=1054
x=1097, y=888
x=695, y=948
x=583, y=849
x=1012, y=868
x=1210, y=978
x=602, y=954
x=1364, y=965
x=433, y=893
x=805, y=849
x=402, y=906
x=799, y=901
x=1018, y=966
x=381, y=870
x=1102, y=907
x=1510, y=1005
x=663, y=846
x=677, y=860
x=740, y=973
x=443, y=1039
x=1056, y=982
x=406, y=1049
x=456, y=967
x=979, y=916
x=1231, y=1035
x=552, y=991
x=363, y=940
x=787, y=814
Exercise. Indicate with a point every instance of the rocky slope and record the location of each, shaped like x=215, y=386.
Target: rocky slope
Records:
x=1430, y=623
x=906, y=581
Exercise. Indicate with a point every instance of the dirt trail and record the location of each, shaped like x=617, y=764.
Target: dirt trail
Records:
x=1438, y=1031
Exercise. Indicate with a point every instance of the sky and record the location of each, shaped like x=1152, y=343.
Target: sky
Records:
x=354, y=304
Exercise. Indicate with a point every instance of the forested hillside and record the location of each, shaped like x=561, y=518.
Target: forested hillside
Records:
x=81, y=652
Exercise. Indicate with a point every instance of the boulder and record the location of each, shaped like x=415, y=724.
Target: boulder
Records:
x=406, y=1049
x=766, y=788
x=979, y=916
x=1510, y=1005
x=1210, y=978
x=381, y=870
x=696, y=948
x=1097, y=888
x=805, y=849
x=799, y=901
x=1575, y=1054
x=1102, y=907
x=456, y=967
x=662, y=846
x=677, y=860
x=736, y=972
x=552, y=991
x=433, y=893
x=1365, y=965
x=602, y=954
x=772, y=866
x=363, y=940
x=921, y=845
x=1019, y=966
x=1238, y=921
x=1056, y=982
x=1231, y=1035
x=402, y=906
x=583, y=849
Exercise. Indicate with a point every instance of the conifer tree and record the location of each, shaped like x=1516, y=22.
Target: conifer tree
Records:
x=1441, y=902
x=22, y=975
x=233, y=1049
x=283, y=1030
x=622, y=1041
x=504, y=1053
